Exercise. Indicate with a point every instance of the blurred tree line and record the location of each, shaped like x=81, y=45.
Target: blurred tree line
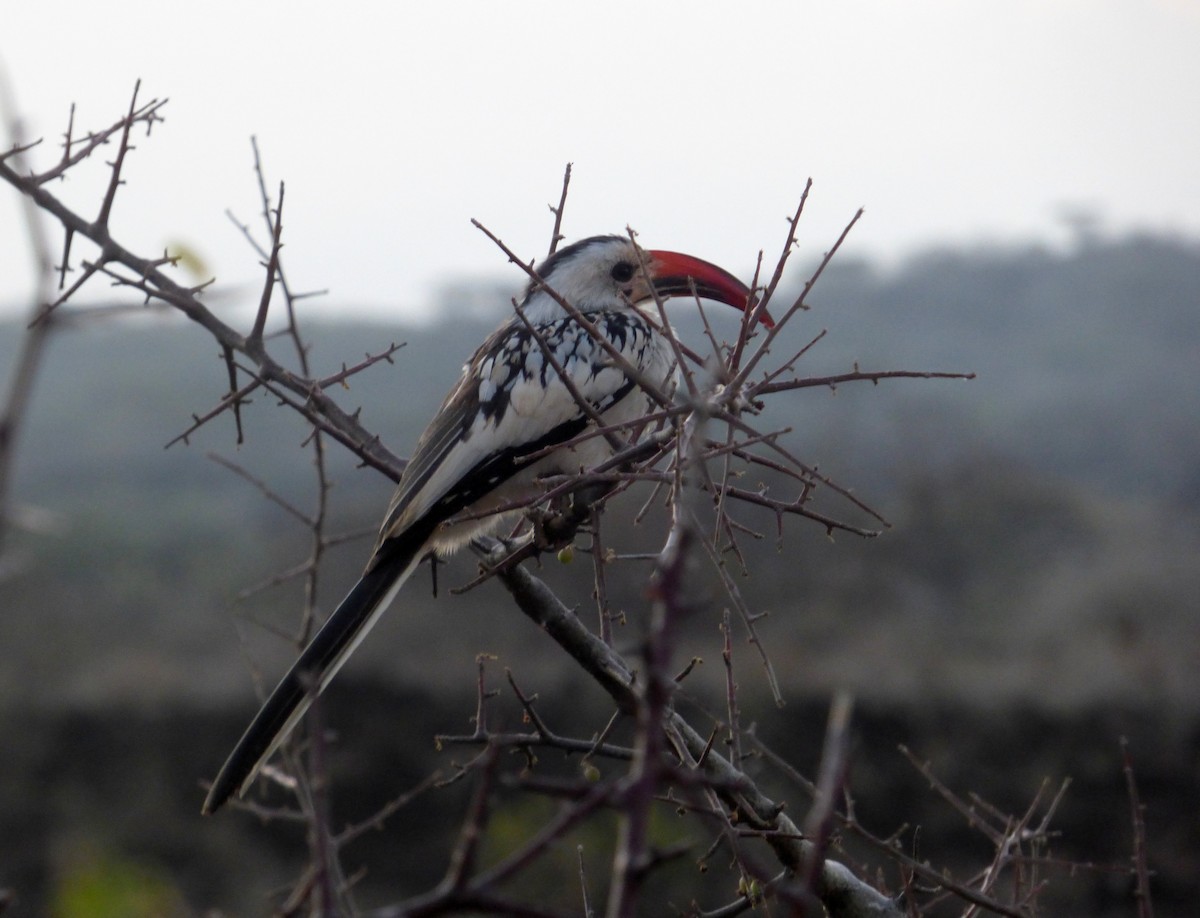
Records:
x=1035, y=599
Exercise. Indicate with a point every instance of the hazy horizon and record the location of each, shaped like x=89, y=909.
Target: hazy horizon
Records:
x=949, y=123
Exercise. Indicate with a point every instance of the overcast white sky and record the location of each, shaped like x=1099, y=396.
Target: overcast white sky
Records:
x=950, y=121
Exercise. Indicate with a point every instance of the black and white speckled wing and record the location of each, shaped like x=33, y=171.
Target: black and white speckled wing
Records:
x=507, y=422
x=510, y=405
x=481, y=450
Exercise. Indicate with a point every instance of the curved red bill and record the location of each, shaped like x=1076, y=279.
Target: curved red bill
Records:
x=674, y=274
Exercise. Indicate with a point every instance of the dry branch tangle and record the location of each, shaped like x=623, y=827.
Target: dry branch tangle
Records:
x=732, y=393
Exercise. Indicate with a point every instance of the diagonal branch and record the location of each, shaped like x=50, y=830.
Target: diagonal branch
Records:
x=843, y=894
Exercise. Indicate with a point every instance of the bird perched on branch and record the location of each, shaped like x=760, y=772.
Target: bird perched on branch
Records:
x=530, y=403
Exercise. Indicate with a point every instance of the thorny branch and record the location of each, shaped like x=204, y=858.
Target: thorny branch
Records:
x=1141, y=869
x=25, y=367
x=148, y=277
x=737, y=791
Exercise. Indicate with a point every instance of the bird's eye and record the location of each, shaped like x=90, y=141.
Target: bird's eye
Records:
x=622, y=272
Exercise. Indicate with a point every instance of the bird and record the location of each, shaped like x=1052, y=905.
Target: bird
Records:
x=509, y=422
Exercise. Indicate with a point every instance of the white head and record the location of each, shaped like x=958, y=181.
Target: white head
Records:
x=604, y=273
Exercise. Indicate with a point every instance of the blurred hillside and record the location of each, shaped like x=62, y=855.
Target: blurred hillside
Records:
x=1050, y=503
x=1042, y=556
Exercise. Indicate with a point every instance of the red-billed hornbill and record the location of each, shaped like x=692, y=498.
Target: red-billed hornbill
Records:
x=493, y=438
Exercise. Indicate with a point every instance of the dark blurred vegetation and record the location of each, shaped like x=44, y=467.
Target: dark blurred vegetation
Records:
x=1036, y=598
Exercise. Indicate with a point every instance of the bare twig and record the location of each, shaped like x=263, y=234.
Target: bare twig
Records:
x=1141, y=869
x=556, y=235
x=28, y=361
x=254, y=341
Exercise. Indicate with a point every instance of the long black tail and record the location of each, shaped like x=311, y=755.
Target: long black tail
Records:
x=322, y=658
